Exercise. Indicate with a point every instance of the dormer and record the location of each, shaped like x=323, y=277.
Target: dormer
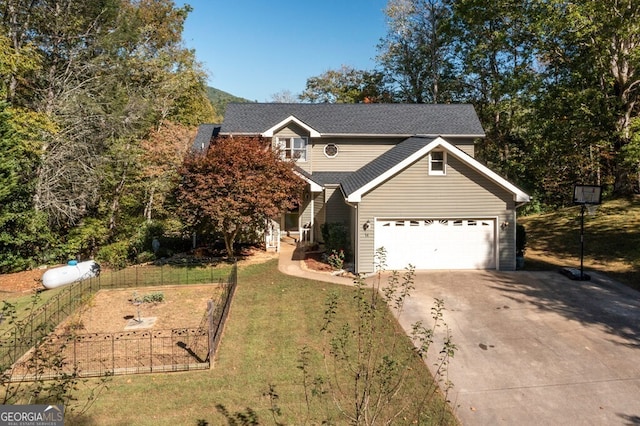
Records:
x=291, y=137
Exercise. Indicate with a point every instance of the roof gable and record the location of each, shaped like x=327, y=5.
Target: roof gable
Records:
x=355, y=119
x=291, y=119
x=406, y=153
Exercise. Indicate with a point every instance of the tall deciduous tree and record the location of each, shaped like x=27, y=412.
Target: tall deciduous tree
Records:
x=495, y=45
x=416, y=54
x=591, y=54
x=238, y=184
x=23, y=231
x=152, y=81
x=284, y=97
x=103, y=76
x=347, y=85
x=163, y=152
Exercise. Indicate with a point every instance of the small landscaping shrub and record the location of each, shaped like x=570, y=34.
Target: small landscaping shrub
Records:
x=155, y=297
x=521, y=240
x=336, y=259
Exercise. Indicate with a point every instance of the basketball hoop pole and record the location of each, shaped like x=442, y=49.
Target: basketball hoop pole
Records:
x=582, y=241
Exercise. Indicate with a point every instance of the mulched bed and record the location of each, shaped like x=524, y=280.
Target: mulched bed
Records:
x=315, y=262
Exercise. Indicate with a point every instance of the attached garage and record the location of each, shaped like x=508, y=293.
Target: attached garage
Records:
x=446, y=243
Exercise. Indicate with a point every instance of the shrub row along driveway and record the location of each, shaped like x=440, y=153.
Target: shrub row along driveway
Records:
x=536, y=347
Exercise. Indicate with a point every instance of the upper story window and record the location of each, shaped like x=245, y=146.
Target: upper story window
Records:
x=437, y=163
x=292, y=148
x=331, y=150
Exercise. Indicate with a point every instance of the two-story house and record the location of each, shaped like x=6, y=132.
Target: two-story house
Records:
x=399, y=176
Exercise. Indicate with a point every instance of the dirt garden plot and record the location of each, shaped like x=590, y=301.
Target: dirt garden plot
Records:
x=99, y=337
x=109, y=311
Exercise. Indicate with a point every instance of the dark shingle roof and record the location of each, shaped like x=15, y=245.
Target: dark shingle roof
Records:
x=329, y=178
x=383, y=163
x=324, y=178
x=203, y=137
x=357, y=119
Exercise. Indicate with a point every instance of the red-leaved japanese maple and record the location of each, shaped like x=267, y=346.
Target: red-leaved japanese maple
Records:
x=237, y=184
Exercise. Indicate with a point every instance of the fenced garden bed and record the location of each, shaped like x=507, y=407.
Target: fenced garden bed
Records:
x=96, y=327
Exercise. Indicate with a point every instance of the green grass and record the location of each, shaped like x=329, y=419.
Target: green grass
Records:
x=25, y=304
x=272, y=317
x=611, y=240
x=147, y=275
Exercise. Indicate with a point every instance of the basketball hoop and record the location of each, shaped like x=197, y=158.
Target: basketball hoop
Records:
x=587, y=194
x=592, y=209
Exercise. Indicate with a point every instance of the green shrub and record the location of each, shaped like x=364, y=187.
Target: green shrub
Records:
x=153, y=298
x=336, y=259
x=156, y=297
x=521, y=240
x=336, y=237
x=164, y=232
x=115, y=255
x=85, y=239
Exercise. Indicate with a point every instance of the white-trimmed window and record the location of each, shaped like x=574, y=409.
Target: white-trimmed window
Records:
x=438, y=163
x=292, y=148
x=331, y=150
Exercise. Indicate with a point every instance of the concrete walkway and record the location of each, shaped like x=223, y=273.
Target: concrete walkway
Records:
x=291, y=262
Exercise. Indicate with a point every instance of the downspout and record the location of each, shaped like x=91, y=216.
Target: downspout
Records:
x=313, y=217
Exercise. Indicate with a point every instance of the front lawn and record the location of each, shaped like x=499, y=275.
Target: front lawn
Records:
x=272, y=318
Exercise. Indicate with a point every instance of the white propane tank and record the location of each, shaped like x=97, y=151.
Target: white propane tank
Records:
x=70, y=273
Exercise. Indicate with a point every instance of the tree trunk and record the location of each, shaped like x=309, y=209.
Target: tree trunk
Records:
x=148, y=208
x=115, y=204
x=229, y=239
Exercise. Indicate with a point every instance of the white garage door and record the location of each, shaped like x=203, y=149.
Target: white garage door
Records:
x=437, y=243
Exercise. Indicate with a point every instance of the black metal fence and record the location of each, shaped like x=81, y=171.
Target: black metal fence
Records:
x=169, y=274
x=31, y=351
x=40, y=321
x=219, y=312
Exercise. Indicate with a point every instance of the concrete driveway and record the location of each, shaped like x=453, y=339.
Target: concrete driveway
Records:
x=536, y=347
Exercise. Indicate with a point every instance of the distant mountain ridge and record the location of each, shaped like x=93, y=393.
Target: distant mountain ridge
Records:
x=219, y=99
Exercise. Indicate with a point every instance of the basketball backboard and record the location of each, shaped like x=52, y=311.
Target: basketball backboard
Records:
x=587, y=194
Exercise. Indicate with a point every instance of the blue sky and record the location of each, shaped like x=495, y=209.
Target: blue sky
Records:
x=257, y=48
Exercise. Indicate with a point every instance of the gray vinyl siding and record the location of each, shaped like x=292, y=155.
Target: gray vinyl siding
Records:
x=306, y=209
x=319, y=214
x=461, y=193
x=352, y=153
x=292, y=130
x=336, y=210
x=468, y=149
